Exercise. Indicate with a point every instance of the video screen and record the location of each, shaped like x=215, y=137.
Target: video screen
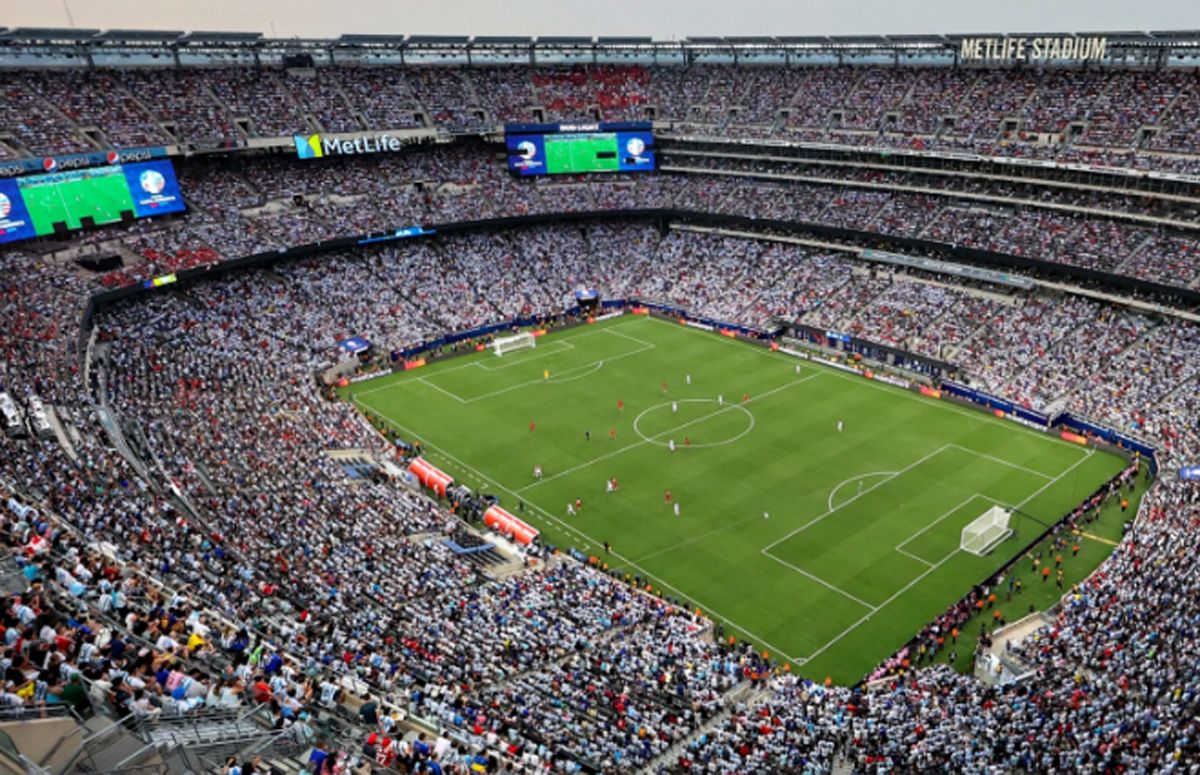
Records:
x=573, y=153
x=58, y=202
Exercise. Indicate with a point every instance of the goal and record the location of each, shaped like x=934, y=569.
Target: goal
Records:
x=985, y=532
x=515, y=342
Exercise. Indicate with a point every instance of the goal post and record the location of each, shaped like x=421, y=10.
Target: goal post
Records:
x=506, y=344
x=985, y=532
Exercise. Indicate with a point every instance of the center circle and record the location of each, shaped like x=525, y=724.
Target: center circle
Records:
x=681, y=429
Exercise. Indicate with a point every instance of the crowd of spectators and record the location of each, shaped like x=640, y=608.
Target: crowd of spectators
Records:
x=264, y=205
x=244, y=566
x=1041, y=113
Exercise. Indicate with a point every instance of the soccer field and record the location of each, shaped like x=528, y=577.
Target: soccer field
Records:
x=861, y=545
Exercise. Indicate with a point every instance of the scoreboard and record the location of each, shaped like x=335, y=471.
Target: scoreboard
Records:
x=572, y=149
x=58, y=202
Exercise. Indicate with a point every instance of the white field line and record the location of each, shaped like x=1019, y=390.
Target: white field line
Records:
x=767, y=549
x=650, y=439
x=534, y=352
x=442, y=390
x=1001, y=461
x=624, y=335
x=593, y=365
x=562, y=338
x=844, y=482
x=970, y=498
x=912, y=556
x=944, y=405
x=589, y=540
x=938, y=564
x=824, y=583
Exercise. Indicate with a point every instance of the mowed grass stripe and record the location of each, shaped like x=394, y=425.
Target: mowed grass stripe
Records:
x=789, y=465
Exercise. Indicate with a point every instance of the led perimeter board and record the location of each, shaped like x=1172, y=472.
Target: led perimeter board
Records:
x=571, y=149
x=58, y=202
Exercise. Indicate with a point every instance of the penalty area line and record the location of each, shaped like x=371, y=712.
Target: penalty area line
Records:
x=939, y=563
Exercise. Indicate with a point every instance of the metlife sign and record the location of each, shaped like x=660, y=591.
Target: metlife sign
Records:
x=319, y=146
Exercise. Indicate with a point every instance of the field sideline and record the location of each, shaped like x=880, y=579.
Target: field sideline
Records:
x=830, y=549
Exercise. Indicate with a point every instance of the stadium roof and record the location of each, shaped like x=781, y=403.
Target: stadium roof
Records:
x=1183, y=43
x=221, y=37
x=371, y=40
x=624, y=41
x=30, y=34
x=560, y=40
x=438, y=40
x=140, y=36
x=500, y=40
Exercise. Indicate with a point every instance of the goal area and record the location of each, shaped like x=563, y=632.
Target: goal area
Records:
x=987, y=531
x=507, y=344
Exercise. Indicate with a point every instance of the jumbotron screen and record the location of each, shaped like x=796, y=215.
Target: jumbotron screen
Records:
x=554, y=149
x=38, y=205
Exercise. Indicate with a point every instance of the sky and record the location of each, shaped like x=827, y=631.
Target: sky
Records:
x=663, y=19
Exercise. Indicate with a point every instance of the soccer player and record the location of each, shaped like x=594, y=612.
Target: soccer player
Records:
x=537, y=473
x=797, y=370
x=720, y=400
x=570, y=509
x=687, y=441
x=546, y=374
x=766, y=515
x=745, y=397
x=587, y=435
x=674, y=407
x=579, y=504
x=689, y=379
x=839, y=426
x=608, y=487
x=612, y=433
x=532, y=427
x=676, y=507
x=620, y=405
x=666, y=496
x=664, y=386
x=671, y=445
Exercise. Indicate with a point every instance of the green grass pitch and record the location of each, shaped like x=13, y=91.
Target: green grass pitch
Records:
x=861, y=545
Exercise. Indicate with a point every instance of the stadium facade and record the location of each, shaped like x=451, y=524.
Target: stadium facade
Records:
x=235, y=563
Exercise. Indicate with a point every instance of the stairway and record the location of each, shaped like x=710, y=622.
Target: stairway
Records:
x=743, y=694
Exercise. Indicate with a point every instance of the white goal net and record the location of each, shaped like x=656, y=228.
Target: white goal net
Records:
x=985, y=532
x=507, y=344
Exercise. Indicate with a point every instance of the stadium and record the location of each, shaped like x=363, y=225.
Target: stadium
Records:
x=411, y=403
